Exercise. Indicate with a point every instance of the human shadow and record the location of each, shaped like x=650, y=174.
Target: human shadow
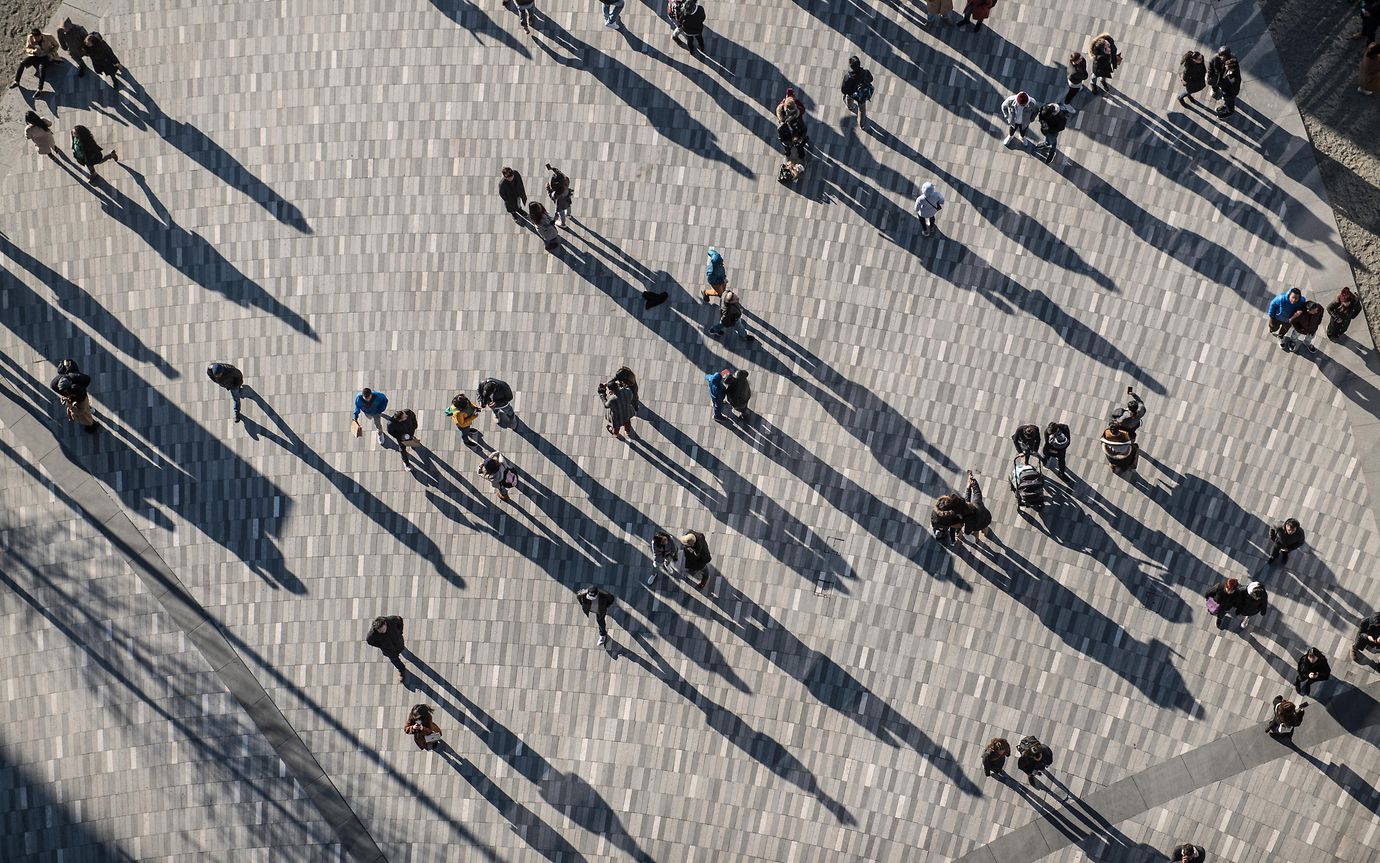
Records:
x=137, y=105
x=1086, y=828
x=191, y=254
x=1205, y=509
x=1357, y=786
x=1355, y=386
x=80, y=305
x=539, y=835
x=473, y=19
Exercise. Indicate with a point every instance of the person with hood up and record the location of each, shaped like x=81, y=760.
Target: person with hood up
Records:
x=1305, y=322
x=1018, y=110
x=927, y=206
x=1341, y=312
x=1281, y=310
x=1054, y=118
x=715, y=276
x=857, y=89
x=1256, y=602
x=1105, y=60
x=1192, y=75
x=739, y=393
x=620, y=406
x=718, y=391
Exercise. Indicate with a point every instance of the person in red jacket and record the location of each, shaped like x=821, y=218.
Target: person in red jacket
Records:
x=1305, y=322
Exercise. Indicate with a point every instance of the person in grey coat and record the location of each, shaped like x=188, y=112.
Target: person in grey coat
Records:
x=927, y=206
x=620, y=406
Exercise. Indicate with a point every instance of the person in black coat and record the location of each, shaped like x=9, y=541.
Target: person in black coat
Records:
x=1057, y=440
x=1027, y=439
x=513, y=193
x=857, y=88
x=1341, y=312
x=1284, y=538
x=386, y=633
x=1193, y=75
x=1054, y=119
x=697, y=557
x=230, y=378
x=691, y=23
x=71, y=386
x=1313, y=668
x=1228, y=596
x=977, y=518
x=497, y=396
x=946, y=518
x=103, y=58
x=1187, y=853
x=739, y=393
x=1034, y=761
x=594, y=598
x=403, y=427
x=1367, y=637
x=1255, y=602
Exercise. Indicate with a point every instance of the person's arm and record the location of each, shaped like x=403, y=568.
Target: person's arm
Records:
x=359, y=406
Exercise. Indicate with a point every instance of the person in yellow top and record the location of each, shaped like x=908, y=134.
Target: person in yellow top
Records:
x=463, y=412
x=40, y=49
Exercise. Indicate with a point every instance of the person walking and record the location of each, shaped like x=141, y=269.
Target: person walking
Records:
x=927, y=207
x=513, y=193
x=558, y=189
x=546, y=227
x=946, y=518
x=495, y=395
x=229, y=378
x=402, y=426
x=1284, y=538
x=739, y=393
x=695, y=550
x=1368, y=73
x=731, y=318
x=620, y=406
x=1192, y=75
x=463, y=413
x=1367, y=637
x=718, y=391
x=715, y=275
x=1282, y=309
x=994, y=756
x=1255, y=602
x=386, y=633
x=668, y=557
x=976, y=12
x=1105, y=60
x=1369, y=11
x=977, y=518
x=939, y=10
x=526, y=12
x=103, y=58
x=1224, y=599
x=1313, y=668
x=1229, y=84
x=1078, y=73
x=71, y=386
x=500, y=473
x=624, y=377
x=422, y=726
x=1054, y=118
x=1018, y=110
x=691, y=24
x=1128, y=418
x=40, y=51
x=1122, y=453
x=1285, y=717
x=372, y=405
x=1057, y=439
x=1035, y=758
x=87, y=152
x=1216, y=68
x=40, y=133
x=1305, y=322
x=1341, y=312
x=1187, y=853
x=612, y=9
x=789, y=108
x=857, y=89
x=71, y=37
x=1026, y=439
x=599, y=601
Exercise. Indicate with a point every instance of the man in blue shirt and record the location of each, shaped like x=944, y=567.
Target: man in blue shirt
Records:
x=1282, y=308
x=372, y=405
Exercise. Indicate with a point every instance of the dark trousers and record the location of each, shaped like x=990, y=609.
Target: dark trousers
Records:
x=236, y=394
x=1303, y=684
x=38, y=61
x=1054, y=459
x=1228, y=102
x=1074, y=90
x=1280, y=553
x=601, y=620
x=693, y=39
x=396, y=659
x=524, y=14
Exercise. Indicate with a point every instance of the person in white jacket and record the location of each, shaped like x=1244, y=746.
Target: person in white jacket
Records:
x=1018, y=111
x=927, y=206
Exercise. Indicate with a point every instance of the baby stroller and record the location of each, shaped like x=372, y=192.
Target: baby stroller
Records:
x=1028, y=483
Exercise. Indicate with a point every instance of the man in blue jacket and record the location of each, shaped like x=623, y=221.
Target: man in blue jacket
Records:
x=372, y=405
x=718, y=391
x=1282, y=308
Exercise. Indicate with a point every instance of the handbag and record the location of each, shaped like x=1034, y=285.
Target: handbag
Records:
x=1212, y=606
x=355, y=428
x=432, y=737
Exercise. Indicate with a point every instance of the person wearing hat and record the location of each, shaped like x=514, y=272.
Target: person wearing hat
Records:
x=599, y=601
x=927, y=206
x=1341, y=312
x=1255, y=602
x=718, y=391
x=1018, y=110
x=71, y=385
x=230, y=378
x=731, y=317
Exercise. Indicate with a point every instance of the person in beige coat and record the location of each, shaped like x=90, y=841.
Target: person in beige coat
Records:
x=942, y=10
x=40, y=132
x=1369, y=73
x=40, y=49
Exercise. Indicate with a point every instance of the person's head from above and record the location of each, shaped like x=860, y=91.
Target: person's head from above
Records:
x=380, y=624
x=1313, y=654
x=1023, y=98
x=854, y=63
x=592, y=592
x=68, y=367
x=1233, y=585
x=1224, y=52
x=508, y=173
x=1255, y=590
x=730, y=298
x=35, y=34
x=33, y=119
x=1295, y=295
x=367, y=395
x=1291, y=525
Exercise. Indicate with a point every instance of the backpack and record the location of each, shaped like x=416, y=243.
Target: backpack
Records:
x=67, y=387
x=1029, y=743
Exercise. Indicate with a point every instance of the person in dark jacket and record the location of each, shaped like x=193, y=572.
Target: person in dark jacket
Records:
x=977, y=518
x=1078, y=73
x=1254, y=602
x=1224, y=599
x=1027, y=439
x=386, y=633
x=402, y=425
x=1128, y=418
x=103, y=58
x=627, y=378
x=994, y=756
x=718, y=391
x=1367, y=637
x=1053, y=119
x=71, y=386
x=1187, y=853
x=1105, y=60
x=946, y=518
x=1305, y=322
x=857, y=89
x=1034, y=761
x=739, y=393
x=513, y=193
x=1341, y=312
x=1057, y=440
x=1285, y=717
x=695, y=549
x=1284, y=538
x=619, y=408
x=599, y=601
x=1192, y=75
x=731, y=317
x=1313, y=668
x=1216, y=67
x=72, y=37
x=691, y=23
x=561, y=194
x=497, y=396
x=230, y=378
x=87, y=152
x=1229, y=84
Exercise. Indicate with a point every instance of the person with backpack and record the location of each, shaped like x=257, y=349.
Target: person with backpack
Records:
x=372, y=404
x=1026, y=439
x=690, y=22
x=1054, y=118
x=619, y=408
x=513, y=193
x=463, y=413
x=500, y=473
x=1341, y=312
x=230, y=378
x=739, y=393
x=1078, y=73
x=1285, y=717
x=1057, y=439
x=857, y=89
x=696, y=552
x=40, y=51
x=422, y=726
x=497, y=396
x=1284, y=538
x=1255, y=602
x=561, y=194
x=1305, y=322
x=1367, y=637
x=1105, y=60
x=87, y=152
x=668, y=557
x=1312, y=668
x=927, y=207
x=731, y=318
x=715, y=275
x=612, y=10
x=402, y=425
x=1035, y=757
x=977, y=518
x=1223, y=600
x=386, y=633
x=1192, y=75
x=71, y=386
x=1281, y=311
x=718, y=391
x=599, y=601
x=994, y=756
x=1018, y=111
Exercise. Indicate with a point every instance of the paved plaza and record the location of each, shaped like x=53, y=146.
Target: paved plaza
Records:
x=309, y=190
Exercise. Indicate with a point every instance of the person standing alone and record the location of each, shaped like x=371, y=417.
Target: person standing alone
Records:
x=386, y=633
x=599, y=601
x=71, y=386
x=230, y=378
x=513, y=193
x=857, y=89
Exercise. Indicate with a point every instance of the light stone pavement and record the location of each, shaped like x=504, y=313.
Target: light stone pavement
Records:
x=309, y=190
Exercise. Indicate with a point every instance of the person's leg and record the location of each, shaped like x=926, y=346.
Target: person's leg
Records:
x=378, y=425
x=1072, y=91
x=43, y=72
x=600, y=618
x=1307, y=341
x=697, y=39
x=398, y=664
x=235, y=396
x=81, y=414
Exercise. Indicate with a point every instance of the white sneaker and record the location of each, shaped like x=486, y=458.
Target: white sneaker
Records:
x=650, y=579
x=603, y=639
x=380, y=438
x=1010, y=139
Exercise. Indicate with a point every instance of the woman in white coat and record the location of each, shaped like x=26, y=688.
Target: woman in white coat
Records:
x=927, y=206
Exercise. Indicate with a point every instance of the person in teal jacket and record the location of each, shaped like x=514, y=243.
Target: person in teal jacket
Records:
x=1282, y=308
x=715, y=275
x=718, y=391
